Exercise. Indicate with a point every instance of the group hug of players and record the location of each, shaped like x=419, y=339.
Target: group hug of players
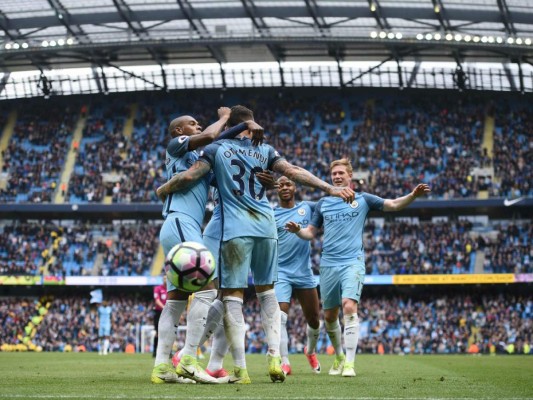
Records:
x=245, y=234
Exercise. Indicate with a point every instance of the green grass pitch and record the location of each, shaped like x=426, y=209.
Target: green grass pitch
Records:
x=123, y=376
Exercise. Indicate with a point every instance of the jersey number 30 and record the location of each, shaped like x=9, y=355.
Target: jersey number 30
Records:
x=238, y=177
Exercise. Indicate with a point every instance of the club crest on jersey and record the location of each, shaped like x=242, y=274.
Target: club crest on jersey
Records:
x=301, y=211
x=354, y=204
x=182, y=139
x=167, y=161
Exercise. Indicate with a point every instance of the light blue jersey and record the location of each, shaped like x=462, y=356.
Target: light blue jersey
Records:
x=104, y=315
x=213, y=232
x=294, y=254
x=246, y=211
x=213, y=229
x=343, y=228
x=190, y=202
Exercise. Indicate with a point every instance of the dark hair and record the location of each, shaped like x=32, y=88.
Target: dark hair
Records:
x=239, y=114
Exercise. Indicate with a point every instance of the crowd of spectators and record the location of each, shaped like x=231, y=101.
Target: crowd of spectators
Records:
x=72, y=321
x=401, y=325
x=447, y=324
x=392, y=247
x=442, y=324
x=419, y=248
x=101, y=151
x=133, y=251
x=396, y=142
x=16, y=313
x=23, y=248
x=511, y=251
x=441, y=247
x=36, y=153
x=513, y=146
x=143, y=168
x=34, y=248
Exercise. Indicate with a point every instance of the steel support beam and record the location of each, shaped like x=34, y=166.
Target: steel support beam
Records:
x=351, y=81
x=66, y=19
x=199, y=27
x=14, y=35
x=97, y=79
x=414, y=73
x=506, y=17
x=319, y=22
x=442, y=15
x=263, y=29
x=521, y=77
x=3, y=81
x=375, y=9
x=509, y=76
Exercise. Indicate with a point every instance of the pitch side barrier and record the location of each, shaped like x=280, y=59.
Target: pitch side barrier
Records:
x=521, y=207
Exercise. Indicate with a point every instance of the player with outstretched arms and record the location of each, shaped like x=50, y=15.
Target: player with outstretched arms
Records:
x=342, y=265
x=249, y=240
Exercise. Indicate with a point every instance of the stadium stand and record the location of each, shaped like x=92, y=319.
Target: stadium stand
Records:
x=444, y=324
x=394, y=142
x=99, y=153
x=35, y=155
x=126, y=248
x=133, y=250
x=111, y=249
x=512, y=149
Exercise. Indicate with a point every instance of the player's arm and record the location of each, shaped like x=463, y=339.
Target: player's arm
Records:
x=306, y=178
x=303, y=233
x=251, y=126
x=266, y=179
x=213, y=132
x=401, y=202
x=184, y=179
x=210, y=134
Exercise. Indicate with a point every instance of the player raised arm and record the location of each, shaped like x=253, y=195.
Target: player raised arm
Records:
x=401, y=202
x=210, y=134
x=255, y=130
x=183, y=180
x=306, y=178
x=186, y=125
x=303, y=233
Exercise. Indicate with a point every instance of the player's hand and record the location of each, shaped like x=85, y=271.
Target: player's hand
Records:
x=224, y=112
x=257, y=132
x=161, y=193
x=292, y=227
x=266, y=179
x=345, y=193
x=421, y=190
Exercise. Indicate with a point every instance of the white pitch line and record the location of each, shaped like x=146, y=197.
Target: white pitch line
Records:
x=236, y=397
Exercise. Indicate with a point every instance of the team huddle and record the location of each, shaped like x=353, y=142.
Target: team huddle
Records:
x=245, y=235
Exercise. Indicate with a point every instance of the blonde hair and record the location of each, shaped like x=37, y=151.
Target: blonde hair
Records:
x=344, y=162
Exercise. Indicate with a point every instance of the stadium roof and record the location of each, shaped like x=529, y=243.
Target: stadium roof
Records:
x=58, y=34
